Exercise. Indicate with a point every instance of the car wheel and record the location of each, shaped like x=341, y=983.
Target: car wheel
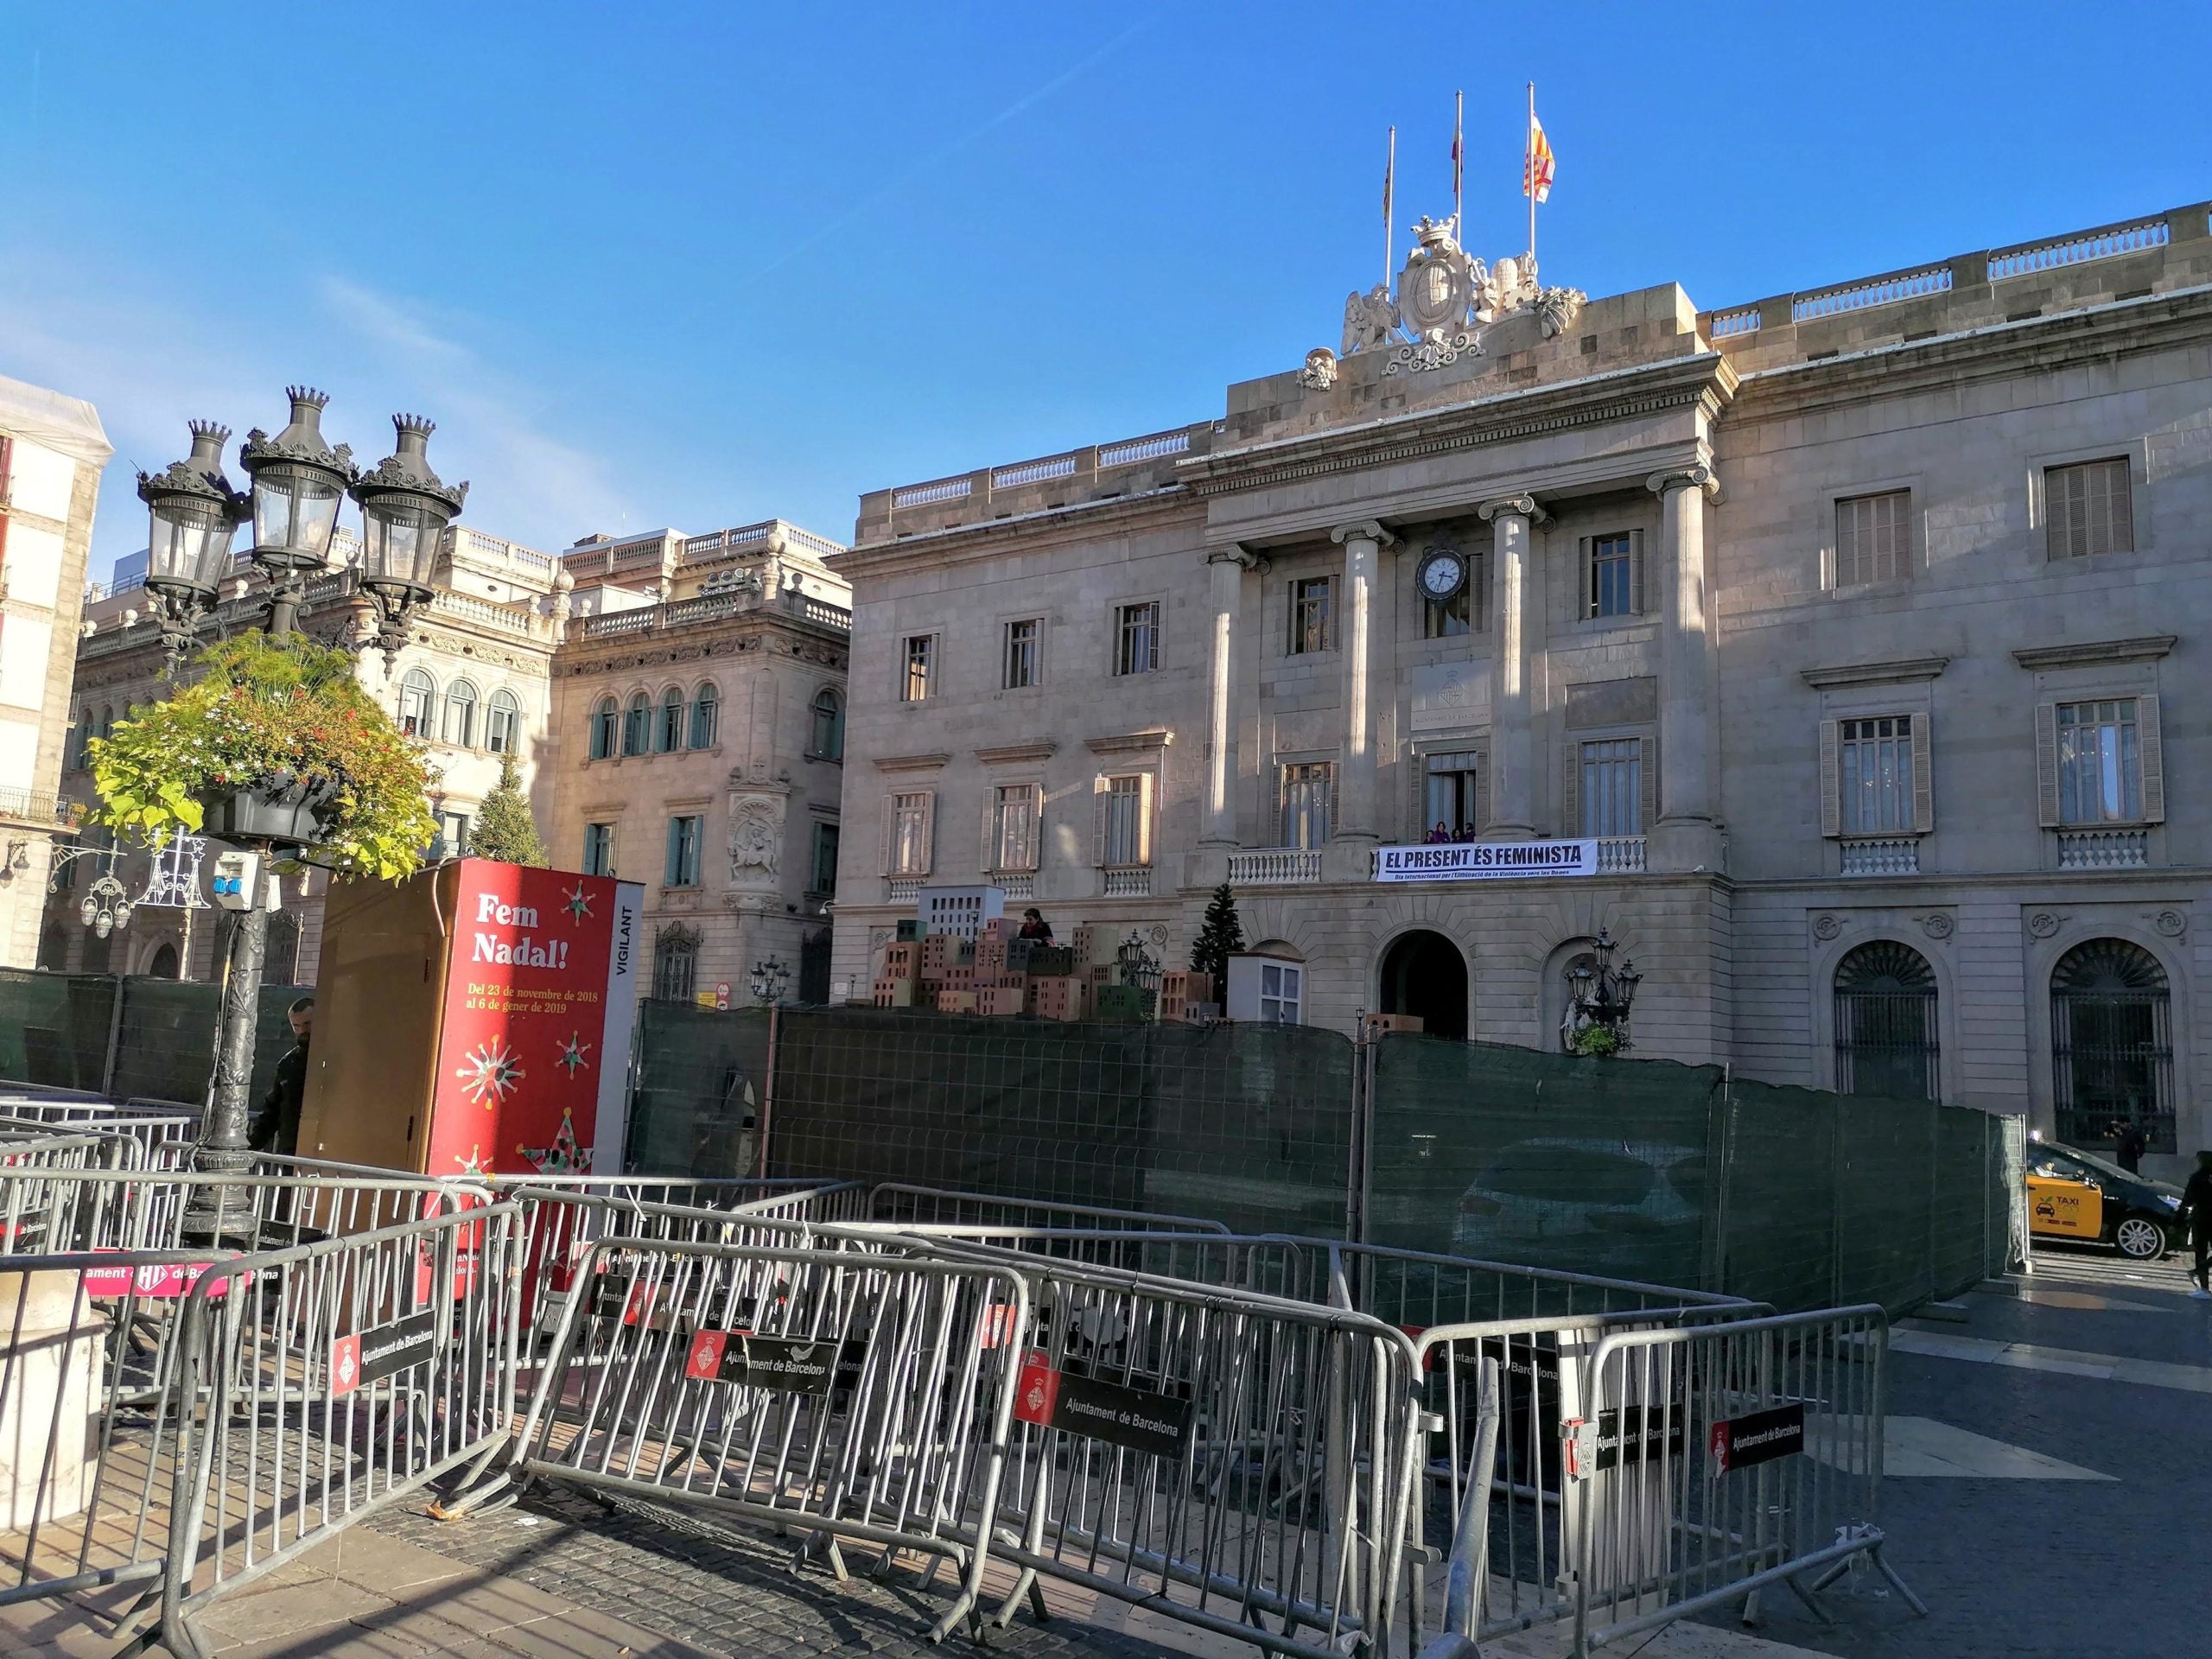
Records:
x=2139, y=1239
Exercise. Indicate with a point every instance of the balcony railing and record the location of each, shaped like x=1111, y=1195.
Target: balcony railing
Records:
x=1127, y=884
x=1274, y=867
x=1016, y=884
x=46, y=812
x=1882, y=855
x=1620, y=855
x=2104, y=850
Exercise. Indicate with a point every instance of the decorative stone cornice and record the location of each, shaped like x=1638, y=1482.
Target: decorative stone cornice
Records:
x=1364, y=530
x=910, y=762
x=1157, y=737
x=1006, y=755
x=1698, y=476
x=1236, y=553
x=2097, y=653
x=1897, y=672
x=1525, y=505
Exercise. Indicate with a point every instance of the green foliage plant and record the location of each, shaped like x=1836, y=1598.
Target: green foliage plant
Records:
x=1597, y=1041
x=1220, y=933
x=259, y=714
x=505, y=829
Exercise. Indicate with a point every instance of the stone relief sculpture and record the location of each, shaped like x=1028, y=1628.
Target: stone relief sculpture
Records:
x=1320, y=371
x=1446, y=299
x=1370, y=319
x=755, y=842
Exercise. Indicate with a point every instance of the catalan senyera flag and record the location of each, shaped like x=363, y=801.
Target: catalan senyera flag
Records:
x=1536, y=171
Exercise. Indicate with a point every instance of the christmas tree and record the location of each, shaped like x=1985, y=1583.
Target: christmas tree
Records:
x=505, y=829
x=1219, y=935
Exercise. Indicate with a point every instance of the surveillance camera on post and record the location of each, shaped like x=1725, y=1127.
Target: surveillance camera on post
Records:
x=240, y=878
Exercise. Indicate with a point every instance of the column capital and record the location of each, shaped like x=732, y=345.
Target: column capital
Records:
x=1364, y=530
x=1523, y=506
x=1238, y=554
x=1698, y=476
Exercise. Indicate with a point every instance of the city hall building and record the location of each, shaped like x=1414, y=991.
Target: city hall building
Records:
x=1841, y=656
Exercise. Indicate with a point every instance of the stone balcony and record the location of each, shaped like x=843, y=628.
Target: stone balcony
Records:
x=2104, y=850
x=1882, y=855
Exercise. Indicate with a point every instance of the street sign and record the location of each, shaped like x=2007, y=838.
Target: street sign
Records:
x=721, y=995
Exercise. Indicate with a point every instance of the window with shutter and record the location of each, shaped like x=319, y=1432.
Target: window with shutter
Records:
x=2088, y=509
x=1308, y=803
x=1010, y=827
x=1610, y=792
x=2100, y=761
x=1126, y=838
x=909, y=833
x=1876, y=775
x=1873, y=539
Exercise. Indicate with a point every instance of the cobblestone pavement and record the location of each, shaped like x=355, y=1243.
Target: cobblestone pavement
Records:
x=721, y=1591
x=2117, y=1569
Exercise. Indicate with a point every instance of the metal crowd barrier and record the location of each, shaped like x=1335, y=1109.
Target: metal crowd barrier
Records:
x=898, y=1202
x=859, y=1394
x=328, y=1381
x=89, y=1425
x=1712, y=1462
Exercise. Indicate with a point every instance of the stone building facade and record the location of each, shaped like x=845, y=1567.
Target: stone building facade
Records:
x=698, y=747
x=52, y=453
x=1851, y=643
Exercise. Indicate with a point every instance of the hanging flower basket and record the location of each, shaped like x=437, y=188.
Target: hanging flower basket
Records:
x=291, y=814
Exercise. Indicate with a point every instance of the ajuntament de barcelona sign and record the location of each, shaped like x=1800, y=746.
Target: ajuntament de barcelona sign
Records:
x=1485, y=861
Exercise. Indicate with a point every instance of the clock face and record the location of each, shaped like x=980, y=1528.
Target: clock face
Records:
x=1442, y=573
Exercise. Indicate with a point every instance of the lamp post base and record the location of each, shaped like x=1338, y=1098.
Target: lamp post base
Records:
x=220, y=1215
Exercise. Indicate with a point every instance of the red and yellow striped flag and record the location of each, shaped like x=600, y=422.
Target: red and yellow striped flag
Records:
x=1536, y=171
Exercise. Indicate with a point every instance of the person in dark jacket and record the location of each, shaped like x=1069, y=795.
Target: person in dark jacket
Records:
x=1034, y=926
x=2197, y=1205
x=277, y=1120
x=2129, y=1144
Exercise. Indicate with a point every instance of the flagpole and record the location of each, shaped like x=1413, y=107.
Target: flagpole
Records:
x=1390, y=210
x=1528, y=172
x=1458, y=192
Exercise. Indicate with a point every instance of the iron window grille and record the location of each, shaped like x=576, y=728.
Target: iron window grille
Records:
x=676, y=963
x=1885, y=1006
x=2112, y=1044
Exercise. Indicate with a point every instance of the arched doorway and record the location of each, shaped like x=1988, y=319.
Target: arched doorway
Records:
x=163, y=964
x=2112, y=1043
x=1886, y=1023
x=1424, y=974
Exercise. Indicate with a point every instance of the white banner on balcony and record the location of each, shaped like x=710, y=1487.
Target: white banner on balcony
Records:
x=1485, y=861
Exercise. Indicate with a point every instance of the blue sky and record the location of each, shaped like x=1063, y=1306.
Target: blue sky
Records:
x=698, y=264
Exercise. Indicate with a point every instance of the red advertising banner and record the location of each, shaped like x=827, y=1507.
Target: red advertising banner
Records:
x=540, y=997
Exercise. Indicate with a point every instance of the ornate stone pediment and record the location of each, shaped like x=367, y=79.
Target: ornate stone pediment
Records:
x=1446, y=299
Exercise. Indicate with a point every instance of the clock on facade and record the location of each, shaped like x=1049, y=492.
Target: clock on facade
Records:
x=1443, y=573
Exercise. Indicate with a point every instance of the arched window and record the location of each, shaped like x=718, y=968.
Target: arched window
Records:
x=1886, y=1023
x=280, y=962
x=460, y=715
x=706, y=716
x=503, y=723
x=829, y=727
x=107, y=721
x=604, y=720
x=2112, y=1043
x=418, y=703
x=675, y=963
x=85, y=732
x=637, y=725
x=670, y=733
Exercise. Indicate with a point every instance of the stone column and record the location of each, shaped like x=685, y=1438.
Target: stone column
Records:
x=1517, y=634
x=1362, y=543
x=1225, y=589
x=1688, y=836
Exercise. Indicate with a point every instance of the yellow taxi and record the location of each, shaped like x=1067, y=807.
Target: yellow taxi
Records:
x=2075, y=1195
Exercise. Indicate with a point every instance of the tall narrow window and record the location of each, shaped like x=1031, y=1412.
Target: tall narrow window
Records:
x=823, y=879
x=1612, y=787
x=1875, y=785
x=1456, y=615
x=675, y=963
x=1136, y=638
x=503, y=723
x=1127, y=843
x=1020, y=654
x=1307, y=786
x=599, y=850
x=1451, y=809
x=909, y=834
x=829, y=726
x=706, y=716
x=604, y=721
x=1611, y=577
x=418, y=698
x=2099, y=763
x=460, y=715
x=637, y=725
x=2089, y=509
x=682, y=869
x=669, y=733
x=1886, y=1023
x=1313, y=621
x=2112, y=1043
x=1013, y=827
x=921, y=666
x=1873, y=539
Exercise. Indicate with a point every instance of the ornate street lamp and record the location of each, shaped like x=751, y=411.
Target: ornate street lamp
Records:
x=107, y=907
x=195, y=514
x=769, y=978
x=1600, y=994
x=405, y=508
x=299, y=479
